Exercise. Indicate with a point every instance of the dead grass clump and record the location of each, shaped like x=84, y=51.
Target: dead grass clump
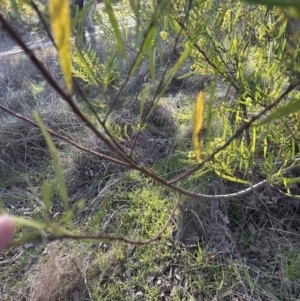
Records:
x=206, y=223
x=59, y=278
x=58, y=117
x=258, y=237
x=17, y=69
x=23, y=147
x=86, y=175
x=153, y=142
x=19, y=101
x=196, y=83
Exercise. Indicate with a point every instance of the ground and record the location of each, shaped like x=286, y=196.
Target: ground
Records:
x=239, y=249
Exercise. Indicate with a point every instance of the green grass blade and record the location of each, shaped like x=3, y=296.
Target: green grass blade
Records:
x=210, y=114
x=40, y=225
x=145, y=45
x=143, y=100
x=152, y=64
x=183, y=57
x=135, y=8
x=169, y=76
x=254, y=137
x=109, y=71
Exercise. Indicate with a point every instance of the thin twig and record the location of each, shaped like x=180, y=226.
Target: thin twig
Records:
x=72, y=142
x=133, y=164
x=64, y=95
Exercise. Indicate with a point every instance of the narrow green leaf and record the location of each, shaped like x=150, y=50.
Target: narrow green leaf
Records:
x=265, y=148
x=150, y=34
x=146, y=42
x=80, y=14
x=40, y=225
x=25, y=238
x=152, y=56
x=288, y=181
x=45, y=16
x=186, y=75
x=183, y=57
x=135, y=8
x=227, y=127
x=198, y=120
x=201, y=172
x=210, y=110
x=114, y=24
x=59, y=11
x=172, y=72
x=68, y=216
x=233, y=46
x=282, y=29
x=231, y=178
x=153, y=107
x=15, y=8
x=58, y=169
x=291, y=107
x=110, y=65
x=80, y=32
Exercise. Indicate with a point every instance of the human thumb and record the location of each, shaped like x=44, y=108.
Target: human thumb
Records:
x=7, y=230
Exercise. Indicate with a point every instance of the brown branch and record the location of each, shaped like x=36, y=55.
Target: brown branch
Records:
x=35, y=7
x=64, y=95
x=147, y=172
x=72, y=142
x=79, y=90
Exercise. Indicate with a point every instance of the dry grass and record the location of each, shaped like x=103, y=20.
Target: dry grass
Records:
x=23, y=147
x=17, y=70
x=58, y=277
x=257, y=238
x=223, y=250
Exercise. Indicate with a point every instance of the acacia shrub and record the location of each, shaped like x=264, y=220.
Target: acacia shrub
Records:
x=254, y=51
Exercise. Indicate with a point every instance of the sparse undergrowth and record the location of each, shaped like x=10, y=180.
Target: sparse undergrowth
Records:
x=245, y=249
x=218, y=252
